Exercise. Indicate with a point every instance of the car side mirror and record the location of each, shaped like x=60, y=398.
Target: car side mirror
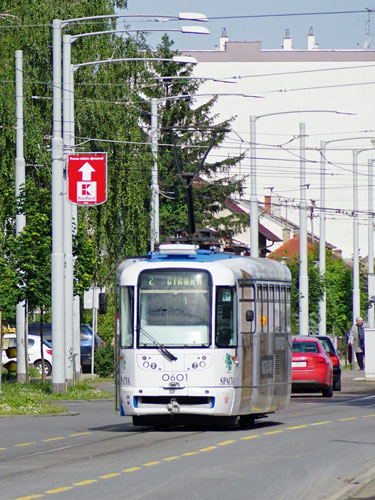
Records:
x=250, y=315
x=102, y=303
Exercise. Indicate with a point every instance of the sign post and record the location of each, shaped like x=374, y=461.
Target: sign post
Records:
x=87, y=174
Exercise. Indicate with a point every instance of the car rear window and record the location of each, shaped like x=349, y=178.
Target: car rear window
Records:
x=305, y=347
x=327, y=346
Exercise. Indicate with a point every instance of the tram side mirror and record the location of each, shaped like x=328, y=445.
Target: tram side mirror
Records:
x=249, y=315
x=102, y=303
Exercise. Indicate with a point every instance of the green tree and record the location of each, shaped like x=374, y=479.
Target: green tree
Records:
x=33, y=251
x=337, y=283
x=186, y=133
x=26, y=26
x=316, y=287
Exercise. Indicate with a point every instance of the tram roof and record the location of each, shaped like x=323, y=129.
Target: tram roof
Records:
x=241, y=267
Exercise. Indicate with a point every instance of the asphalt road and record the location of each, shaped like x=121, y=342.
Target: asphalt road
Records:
x=317, y=449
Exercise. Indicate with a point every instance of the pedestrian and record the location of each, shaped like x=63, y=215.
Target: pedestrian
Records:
x=357, y=340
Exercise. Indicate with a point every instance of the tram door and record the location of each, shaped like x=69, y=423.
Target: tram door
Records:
x=247, y=326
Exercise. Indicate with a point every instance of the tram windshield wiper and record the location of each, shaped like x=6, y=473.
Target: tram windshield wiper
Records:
x=160, y=347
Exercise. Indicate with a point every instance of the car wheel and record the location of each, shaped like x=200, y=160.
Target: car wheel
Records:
x=47, y=367
x=328, y=392
x=337, y=385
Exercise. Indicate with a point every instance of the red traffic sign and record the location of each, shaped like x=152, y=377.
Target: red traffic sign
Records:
x=87, y=178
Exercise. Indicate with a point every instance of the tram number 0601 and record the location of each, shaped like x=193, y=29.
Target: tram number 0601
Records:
x=178, y=377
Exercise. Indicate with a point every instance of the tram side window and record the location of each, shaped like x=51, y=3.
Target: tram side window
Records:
x=262, y=308
x=126, y=315
x=271, y=300
x=226, y=332
x=247, y=307
x=283, y=308
x=288, y=309
x=277, y=309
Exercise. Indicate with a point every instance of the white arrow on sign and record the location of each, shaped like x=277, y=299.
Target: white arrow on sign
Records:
x=86, y=170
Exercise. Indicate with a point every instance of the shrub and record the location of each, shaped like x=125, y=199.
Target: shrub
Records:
x=105, y=361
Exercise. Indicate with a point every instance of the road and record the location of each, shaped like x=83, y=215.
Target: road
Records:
x=318, y=448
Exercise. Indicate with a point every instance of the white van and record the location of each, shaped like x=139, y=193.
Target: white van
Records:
x=9, y=340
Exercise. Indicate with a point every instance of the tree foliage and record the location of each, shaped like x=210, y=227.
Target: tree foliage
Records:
x=188, y=129
x=337, y=284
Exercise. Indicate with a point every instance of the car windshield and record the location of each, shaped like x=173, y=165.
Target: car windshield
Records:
x=305, y=347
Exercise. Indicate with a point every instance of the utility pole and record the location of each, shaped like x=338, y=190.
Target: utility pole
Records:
x=57, y=257
x=21, y=333
x=303, y=276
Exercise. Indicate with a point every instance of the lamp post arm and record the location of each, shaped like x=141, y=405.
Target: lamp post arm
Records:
x=135, y=59
x=306, y=111
x=182, y=16
x=198, y=30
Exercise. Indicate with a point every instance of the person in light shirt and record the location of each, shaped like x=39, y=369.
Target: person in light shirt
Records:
x=357, y=340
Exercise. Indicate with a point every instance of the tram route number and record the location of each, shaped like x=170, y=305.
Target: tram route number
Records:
x=175, y=377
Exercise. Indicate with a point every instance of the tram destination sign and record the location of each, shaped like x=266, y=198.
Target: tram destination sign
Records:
x=87, y=178
x=174, y=280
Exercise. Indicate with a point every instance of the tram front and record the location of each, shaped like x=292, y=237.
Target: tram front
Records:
x=171, y=364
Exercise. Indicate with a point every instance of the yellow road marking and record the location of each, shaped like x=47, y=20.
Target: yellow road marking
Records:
x=368, y=416
x=272, y=432
x=346, y=419
x=251, y=437
x=224, y=443
x=53, y=439
x=30, y=497
x=296, y=427
x=80, y=434
x=148, y=464
x=87, y=481
x=189, y=453
x=132, y=469
x=107, y=476
x=3, y=448
x=171, y=458
x=59, y=490
x=25, y=444
x=323, y=423
x=209, y=448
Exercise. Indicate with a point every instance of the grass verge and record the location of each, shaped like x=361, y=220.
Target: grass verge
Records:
x=38, y=399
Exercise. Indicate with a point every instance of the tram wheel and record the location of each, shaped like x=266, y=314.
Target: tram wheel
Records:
x=247, y=420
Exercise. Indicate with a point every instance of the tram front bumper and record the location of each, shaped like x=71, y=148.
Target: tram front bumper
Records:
x=156, y=401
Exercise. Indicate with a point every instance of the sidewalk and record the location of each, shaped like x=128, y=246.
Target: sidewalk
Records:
x=355, y=375
x=363, y=486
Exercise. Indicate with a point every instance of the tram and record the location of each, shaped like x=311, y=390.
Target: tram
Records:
x=202, y=336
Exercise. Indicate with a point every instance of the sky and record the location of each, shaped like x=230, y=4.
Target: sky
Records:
x=332, y=31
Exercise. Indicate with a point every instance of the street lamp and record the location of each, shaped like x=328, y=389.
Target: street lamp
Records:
x=155, y=232
x=356, y=291
x=303, y=274
x=322, y=230
x=71, y=327
x=58, y=231
x=68, y=102
x=254, y=231
x=370, y=261
x=21, y=340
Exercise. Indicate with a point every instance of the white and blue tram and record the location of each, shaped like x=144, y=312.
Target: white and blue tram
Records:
x=202, y=336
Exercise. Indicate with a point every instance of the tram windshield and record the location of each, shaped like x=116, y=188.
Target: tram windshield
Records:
x=174, y=308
